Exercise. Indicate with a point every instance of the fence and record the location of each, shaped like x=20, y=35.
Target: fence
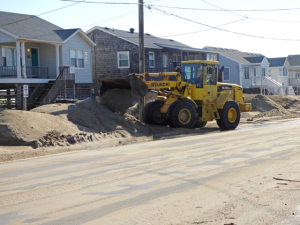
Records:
x=8, y=71
x=31, y=72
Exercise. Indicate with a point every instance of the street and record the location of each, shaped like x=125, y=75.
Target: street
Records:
x=215, y=178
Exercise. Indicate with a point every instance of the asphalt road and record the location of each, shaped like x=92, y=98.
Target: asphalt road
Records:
x=203, y=179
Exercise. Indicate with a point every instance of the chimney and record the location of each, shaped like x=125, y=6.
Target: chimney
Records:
x=131, y=30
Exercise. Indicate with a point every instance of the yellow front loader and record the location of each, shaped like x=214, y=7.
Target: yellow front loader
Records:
x=187, y=98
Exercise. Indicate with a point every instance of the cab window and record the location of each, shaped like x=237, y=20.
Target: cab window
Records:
x=211, y=75
x=193, y=72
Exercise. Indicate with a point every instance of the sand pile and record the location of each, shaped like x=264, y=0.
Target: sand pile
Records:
x=25, y=128
x=268, y=108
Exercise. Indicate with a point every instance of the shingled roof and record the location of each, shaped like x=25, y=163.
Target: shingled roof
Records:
x=294, y=60
x=150, y=41
x=242, y=57
x=30, y=27
x=277, y=62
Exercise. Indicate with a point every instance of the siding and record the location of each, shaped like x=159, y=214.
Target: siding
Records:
x=6, y=38
x=105, y=62
x=82, y=75
x=48, y=58
x=234, y=77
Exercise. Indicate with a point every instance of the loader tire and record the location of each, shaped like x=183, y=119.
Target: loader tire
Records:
x=169, y=114
x=200, y=124
x=182, y=114
x=152, y=115
x=229, y=116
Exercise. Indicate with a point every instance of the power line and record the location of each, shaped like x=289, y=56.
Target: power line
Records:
x=236, y=10
x=89, y=24
x=40, y=14
x=191, y=32
x=220, y=9
x=109, y=19
x=281, y=21
x=233, y=32
x=170, y=14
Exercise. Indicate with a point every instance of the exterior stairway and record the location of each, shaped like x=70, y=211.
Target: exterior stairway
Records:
x=47, y=93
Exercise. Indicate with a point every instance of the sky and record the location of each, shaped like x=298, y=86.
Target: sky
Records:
x=173, y=23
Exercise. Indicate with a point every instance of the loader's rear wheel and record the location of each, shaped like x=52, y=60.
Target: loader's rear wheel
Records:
x=229, y=116
x=182, y=114
x=152, y=115
x=200, y=124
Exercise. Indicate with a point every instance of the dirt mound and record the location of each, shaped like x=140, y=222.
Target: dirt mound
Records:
x=262, y=103
x=24, y=128
x=269, y=108
x=117, y=100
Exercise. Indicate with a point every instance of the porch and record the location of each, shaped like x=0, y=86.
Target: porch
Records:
x=34, y=60
x=31, y=72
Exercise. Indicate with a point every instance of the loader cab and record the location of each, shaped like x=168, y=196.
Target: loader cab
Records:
x=203, y=77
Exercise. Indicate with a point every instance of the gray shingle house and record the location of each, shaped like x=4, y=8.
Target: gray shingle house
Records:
x=33, y=51
x=294, y=72
x=116, y=52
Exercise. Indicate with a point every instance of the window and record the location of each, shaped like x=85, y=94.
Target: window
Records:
x=198, y=57
x=211, y=56
x=123, y=60
x=210, y=75
x=263, y=72
x=226, y=74
x=3, y=57
x=191, y=57
x=151, y=59
x=77, y=58
x=176, y=60
x=284, y=71
x=246, y=72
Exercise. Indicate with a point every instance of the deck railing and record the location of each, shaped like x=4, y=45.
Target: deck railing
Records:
x=37, y=72
x=8, y=71
x=40, y=72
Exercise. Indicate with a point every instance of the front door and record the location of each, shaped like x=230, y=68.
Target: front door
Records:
x=34, y=57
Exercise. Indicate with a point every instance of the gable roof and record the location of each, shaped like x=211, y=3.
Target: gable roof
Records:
x=28, y=27
x=257, y=59
x=242, y=57
x=294, y=60
x=277, y=62
x=150, y=41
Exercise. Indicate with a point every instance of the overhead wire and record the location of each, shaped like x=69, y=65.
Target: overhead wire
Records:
x=2, y=25
x=236, y=10
x=248, y=17
x=217, y=28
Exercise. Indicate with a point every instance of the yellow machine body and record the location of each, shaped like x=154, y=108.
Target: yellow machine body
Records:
x=211, y=95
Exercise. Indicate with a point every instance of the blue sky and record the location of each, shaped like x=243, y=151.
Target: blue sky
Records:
x=161, y=24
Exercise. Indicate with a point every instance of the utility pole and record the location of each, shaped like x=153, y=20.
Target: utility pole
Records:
x=142, y=50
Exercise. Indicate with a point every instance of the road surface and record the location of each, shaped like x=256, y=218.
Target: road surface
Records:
x=217, y=178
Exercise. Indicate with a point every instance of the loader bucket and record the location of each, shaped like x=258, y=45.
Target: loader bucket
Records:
x=138, y=88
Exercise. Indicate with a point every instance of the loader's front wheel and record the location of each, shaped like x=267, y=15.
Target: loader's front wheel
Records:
x=182, y=114
x=229, y=116
x=152, y=115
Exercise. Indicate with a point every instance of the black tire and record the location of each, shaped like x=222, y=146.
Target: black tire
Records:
x=200, y=124
x=182, y=114
x=152, y=115
x=229, y=116
x=170, y=109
